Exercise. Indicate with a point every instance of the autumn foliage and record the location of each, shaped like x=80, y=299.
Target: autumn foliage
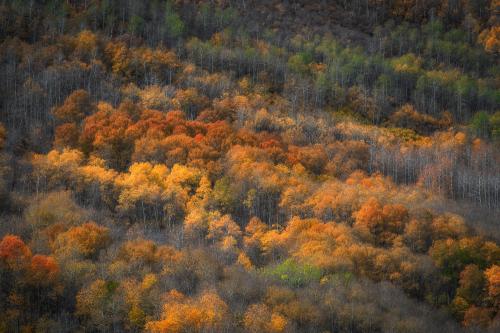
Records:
x=249, y=166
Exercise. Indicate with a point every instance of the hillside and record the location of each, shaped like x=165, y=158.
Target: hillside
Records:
x=250, y=166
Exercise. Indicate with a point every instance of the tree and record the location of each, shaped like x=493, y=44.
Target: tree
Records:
x=326, y=246
x=118, y=57
x=154, y=124
x=224, y=232
x=294, y=274
x=408, y=117
x=490, y=38
x=219, y=136
x=154, y=97
x=207, y=312
x=43, y=270
x=96, y=183
x=86, y=45
x=173, y=149
x=287, y=308
x=223, y=194
x=51, y=215
x=14, y=253
x=382, y=223
x=86, y=241
x=105, y=132
x=452, y=256
x=493, y=277
x=142, y=189
x=448, y=226
x=495, y=125
x=75, y=107
x=152, y=191
x=141, y=298
x=477, y=317
x=190, y=101
x=56, y=169
x=3, y=136
x=313, y=158
x=139, y=257
x=418, y=235
x=471, y=284
x=99, y=304
x=259, y=318
x=136, y=24
x=66, y=136
x=174, y=27
x=481, y=124
x=55, y=207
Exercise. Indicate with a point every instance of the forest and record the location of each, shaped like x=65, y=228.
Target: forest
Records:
x=182, y=166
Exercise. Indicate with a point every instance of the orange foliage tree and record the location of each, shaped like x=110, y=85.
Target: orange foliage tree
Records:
x=381, y=224
x=75, y=107
x=14, y=253
x=207, y=312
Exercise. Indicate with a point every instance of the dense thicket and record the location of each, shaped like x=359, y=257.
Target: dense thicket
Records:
x=253, y=166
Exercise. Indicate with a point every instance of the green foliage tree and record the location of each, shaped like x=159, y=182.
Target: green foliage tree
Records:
x=173, y=25
x=481, y=124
